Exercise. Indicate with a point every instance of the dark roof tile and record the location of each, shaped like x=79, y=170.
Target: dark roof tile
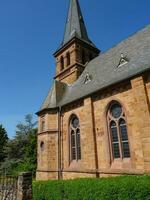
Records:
x=104, y=70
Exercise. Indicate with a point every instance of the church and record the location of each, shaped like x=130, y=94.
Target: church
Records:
x=95, y=120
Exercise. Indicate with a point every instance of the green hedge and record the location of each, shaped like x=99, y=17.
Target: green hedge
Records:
x=116, y=188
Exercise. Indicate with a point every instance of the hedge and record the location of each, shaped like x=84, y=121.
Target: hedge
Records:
x=116, y=188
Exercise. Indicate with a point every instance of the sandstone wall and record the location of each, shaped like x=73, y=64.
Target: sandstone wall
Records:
x=96, y=159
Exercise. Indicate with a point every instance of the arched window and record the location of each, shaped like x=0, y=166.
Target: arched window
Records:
x=68, y=59
x=90, y=56
x=118, y=131
x=75, y=144
x=83, y=57
x=42, y=146
x=61, y=63
x=42, y=124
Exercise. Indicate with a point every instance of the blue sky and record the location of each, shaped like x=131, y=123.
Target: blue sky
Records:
x=30, y=32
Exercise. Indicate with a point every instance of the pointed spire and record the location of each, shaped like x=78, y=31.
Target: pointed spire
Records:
x=75, y=26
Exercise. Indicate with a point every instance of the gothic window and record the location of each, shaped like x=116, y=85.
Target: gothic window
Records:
x=75, y=143
x=68, y=59
x=61, y=63
x=114, y=139
x=118, y=131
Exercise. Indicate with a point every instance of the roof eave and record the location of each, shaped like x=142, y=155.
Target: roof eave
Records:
x=87, y=95
x=105, y=87
x=43, y=111
x=57, y=52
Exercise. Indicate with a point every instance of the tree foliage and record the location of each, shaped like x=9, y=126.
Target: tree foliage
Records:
x=3, y=142
x=21, y=150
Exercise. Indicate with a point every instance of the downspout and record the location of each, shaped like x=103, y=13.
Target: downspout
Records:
x=59, y=144
x=95, y=143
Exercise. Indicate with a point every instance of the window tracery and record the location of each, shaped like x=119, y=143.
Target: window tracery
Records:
x=75, y=143
x=118, y=131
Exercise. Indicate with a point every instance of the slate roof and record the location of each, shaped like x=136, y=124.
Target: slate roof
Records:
x=75, y=26
x=55, y=95
x=103, y=71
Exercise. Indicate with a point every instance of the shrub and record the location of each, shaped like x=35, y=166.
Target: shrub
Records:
x=116, y=188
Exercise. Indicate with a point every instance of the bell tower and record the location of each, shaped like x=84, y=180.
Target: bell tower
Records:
x=76, y=48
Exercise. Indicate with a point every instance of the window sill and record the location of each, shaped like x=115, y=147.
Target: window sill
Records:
x=124, y=163
x=75, y=164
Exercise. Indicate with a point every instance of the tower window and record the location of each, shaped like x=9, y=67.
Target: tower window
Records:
x=90, y=56
x=119, y=143
x=68, y=59
x=75, y=143
x=61, y=63
x=42, y=124
x=42, y=146
x=83, y=57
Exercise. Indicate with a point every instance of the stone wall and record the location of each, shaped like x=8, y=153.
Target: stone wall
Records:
x=47, y=155
x=134, y=96
x=24, y=186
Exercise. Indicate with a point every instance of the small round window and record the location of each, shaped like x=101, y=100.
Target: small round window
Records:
x=42, y=146
x=75, y=122
x=116, y=110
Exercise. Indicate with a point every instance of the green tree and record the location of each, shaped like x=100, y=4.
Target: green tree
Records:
x=23, y=129
x=3, y=142
x=29, y=151
x=21, y=150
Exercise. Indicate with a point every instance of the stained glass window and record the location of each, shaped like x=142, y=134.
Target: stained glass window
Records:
x=75, y=138
x=78, y=144
x=124, y=139
x=118, y=131
x=75, y=122
x=73, y=145
x=115, y=141
x=116, y=110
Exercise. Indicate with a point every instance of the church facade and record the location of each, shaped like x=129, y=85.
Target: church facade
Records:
x=95, y=120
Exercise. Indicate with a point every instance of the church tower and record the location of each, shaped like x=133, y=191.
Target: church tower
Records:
x=76, y=49
x=72, y=56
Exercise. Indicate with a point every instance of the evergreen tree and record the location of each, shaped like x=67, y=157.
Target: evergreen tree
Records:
x=3, y=142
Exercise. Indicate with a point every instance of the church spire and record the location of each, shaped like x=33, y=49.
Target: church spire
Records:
x=76, y=49
x=75, y=26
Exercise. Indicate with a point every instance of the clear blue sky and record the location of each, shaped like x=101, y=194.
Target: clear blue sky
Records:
x=30, y=32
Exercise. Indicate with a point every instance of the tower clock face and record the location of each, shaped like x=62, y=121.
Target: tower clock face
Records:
x=116, y=110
